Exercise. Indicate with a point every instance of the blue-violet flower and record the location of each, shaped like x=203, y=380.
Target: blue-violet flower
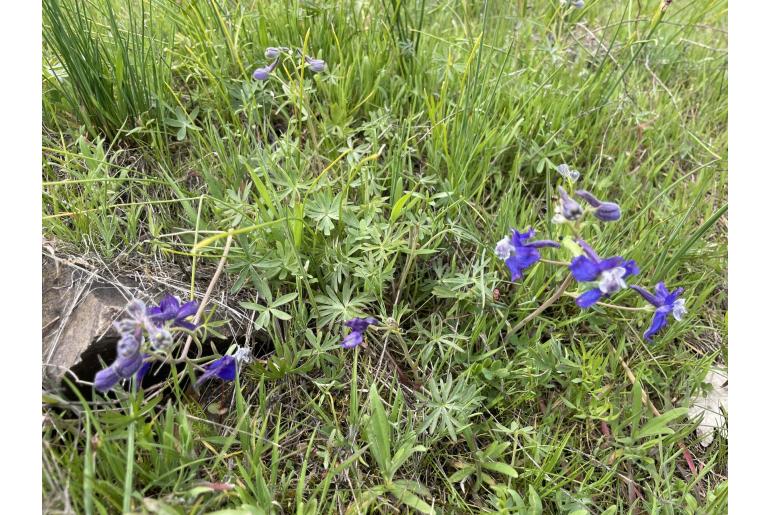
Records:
x=608, y=274
x=171, y=310
x=272, y=52
x=315, y=65
x=128, y=362
x=520, y=254
x=568, y=208
x=665, y=303
x=264, y=72
x=357, y=328
x=223, y=368
x=604, y=211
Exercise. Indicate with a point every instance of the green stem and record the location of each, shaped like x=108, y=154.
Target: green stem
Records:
x=128, y=482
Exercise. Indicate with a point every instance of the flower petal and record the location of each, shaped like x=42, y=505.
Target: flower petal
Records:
x=106, y=379
x=661, y=290
x=128, y=366
x=649, y=297
x=659, y=321
x=184, y=324
x=169, y=304
x=513, y=266
x=187, y=309
x=610, y=263
x=543, y=243
x=354, y=339
x=674, y=295
x=223, y=368
x=226, y=370
x=360, y=324
x=608, y=212
x=589, y=298
x=570, y=209
x=631, y=268
x=154, y=311
x=590, y=252
x=143, y=369
x=526, y=257
x=519, y=238
x=584, y=269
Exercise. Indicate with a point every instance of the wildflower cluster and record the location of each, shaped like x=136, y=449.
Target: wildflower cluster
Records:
x=275, y=54
x=149, y=330
x=604, y=277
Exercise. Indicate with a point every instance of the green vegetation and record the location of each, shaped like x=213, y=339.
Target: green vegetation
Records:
x=380, y=187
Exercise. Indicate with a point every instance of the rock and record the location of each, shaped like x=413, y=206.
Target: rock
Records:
x=78, y=312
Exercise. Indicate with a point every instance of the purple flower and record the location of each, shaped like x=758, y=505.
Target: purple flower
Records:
x=357, y=328
x=272, y=52
x=568, y=208
x=170, y=310
x=608, y=274
x=604, y=211
x=122, y=368
x=128, y=348
x=520, y=254
x=223, y=368
x=129, y=344
x=264, y=72
x=105, y=379
x=665, y=302
x=315, y=65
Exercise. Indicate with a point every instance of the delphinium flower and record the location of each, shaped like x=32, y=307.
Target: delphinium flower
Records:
x=170, y=313
x=604, y=211
x=357, y=328
x=272, y=52
x=127, y=363
x=608, y=275
x=518, y=253
x=171, y=310
x=264, y=72
x=315, y=65
x=665, y=303
x=567, y=209
x=226, y=367
x=156, y=322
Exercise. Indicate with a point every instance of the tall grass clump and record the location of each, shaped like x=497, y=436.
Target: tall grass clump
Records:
x=109, y=61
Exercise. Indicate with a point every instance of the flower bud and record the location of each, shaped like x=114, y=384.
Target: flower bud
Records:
x=579, y=4
x=260, y=74
x=264, y=72
x=566, y=172
x=127, y=325
x=137, y=310
x=126, y=367
x=604, y=211
x=607, y=212
x=315, y=65
x=106, y=379
x=570, y=209
x=161, y=339
x=128, y=345
x=272, y=52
